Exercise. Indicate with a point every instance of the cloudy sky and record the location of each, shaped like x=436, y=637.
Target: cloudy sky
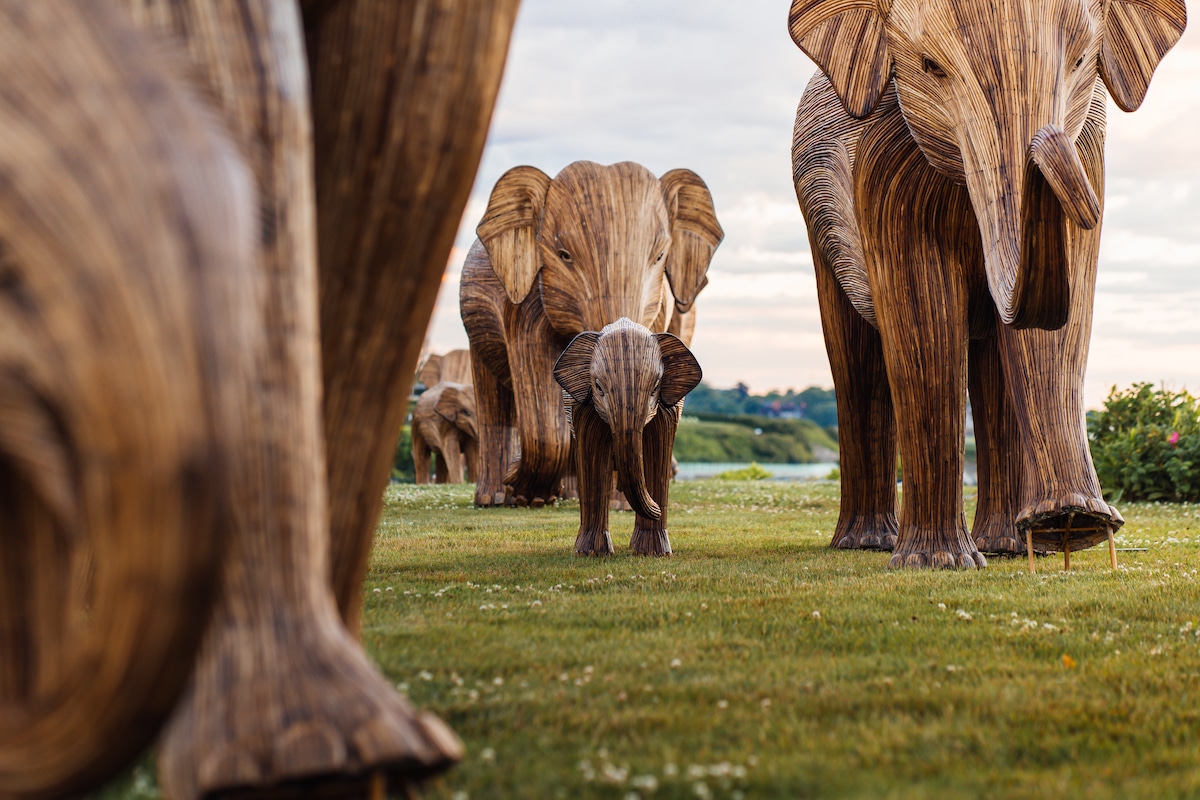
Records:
x=712, y=85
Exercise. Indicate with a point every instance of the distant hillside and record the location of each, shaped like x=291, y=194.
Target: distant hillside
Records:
x=814, y=403
x=718, y=438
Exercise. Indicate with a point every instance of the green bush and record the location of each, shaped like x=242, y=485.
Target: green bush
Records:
x=1146, y=444
x=715, y=438
x=751, y=473
x=402, y=462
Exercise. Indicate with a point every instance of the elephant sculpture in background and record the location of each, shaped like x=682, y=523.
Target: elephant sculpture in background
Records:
x=624, y=388
x=556, y=258
x=948, y=160
x=454, y=366
x=220, y=259
x=443, y=424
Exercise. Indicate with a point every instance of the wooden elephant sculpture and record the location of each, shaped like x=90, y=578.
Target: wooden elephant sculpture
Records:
x=623, y=388
x=219, y=263
x=556, y=258
x=454, y=367
x=948, y=160
x=443, y=425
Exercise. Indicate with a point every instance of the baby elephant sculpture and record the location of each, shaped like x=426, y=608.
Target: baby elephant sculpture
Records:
x=624, y=388
x=443, y=424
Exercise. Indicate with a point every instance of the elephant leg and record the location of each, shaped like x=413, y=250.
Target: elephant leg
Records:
x=453, y=458
x=128, y=306
x=497, y=434
x=998, y=453
x=658, y=439
x=420, y=454
x=866, y=423
x=471, y=455
x=441, y=472
x=1061, y=496
x=594, y=472
x=542, y=427
x=918, y=230
x=283, y=696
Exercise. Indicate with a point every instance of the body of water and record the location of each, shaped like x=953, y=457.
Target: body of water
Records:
x=779, y=472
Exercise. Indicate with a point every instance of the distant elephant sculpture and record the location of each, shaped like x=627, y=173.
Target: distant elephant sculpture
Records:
x=556, y=258
x=454, y=367
x=186, y=196
x=443, y=425
x=623, y=388
x=949, y=162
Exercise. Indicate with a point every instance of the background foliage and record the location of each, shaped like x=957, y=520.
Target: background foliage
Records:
x=718, y=438
x=1146, y=444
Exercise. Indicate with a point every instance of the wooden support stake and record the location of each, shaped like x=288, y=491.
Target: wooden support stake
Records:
x=378, y=787
x=1066, y=553
x=1112, y=550
x=1029, y=549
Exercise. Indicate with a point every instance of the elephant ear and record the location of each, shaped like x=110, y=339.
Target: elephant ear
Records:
x=695, y=234
x=681, y=371
x=1137, y=34
x=448, y=403
x=509, y=228
x=430, y=373
x=573, y=370
x=846, y=39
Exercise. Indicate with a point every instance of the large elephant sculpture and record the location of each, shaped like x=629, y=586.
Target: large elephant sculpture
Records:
x=556, y=258
x=624, y=388
x=220, y=258
x=443, y=426
x=948, y=160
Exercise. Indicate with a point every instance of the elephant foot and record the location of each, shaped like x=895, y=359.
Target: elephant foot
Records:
x=618, y=502
x=650, y=541
x=569, y=490
x=309, y=716
x=488, y=498
x=997, y=535
x=1076, y=519
x=929, y=550
x=593, y=543
x=523, y=498
x=866, y=532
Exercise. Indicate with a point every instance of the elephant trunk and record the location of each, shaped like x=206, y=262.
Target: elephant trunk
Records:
x=1023, y=207
x=627, y=452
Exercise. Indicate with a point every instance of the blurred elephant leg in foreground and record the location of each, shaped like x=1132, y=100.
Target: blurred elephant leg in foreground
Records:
x=402, y=98
x=866, y=422
x=127, y=313
x=998, y=452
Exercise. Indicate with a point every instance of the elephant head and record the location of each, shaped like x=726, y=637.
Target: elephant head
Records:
x=601, y=238
x=995, y=93
x=629, y=375
x=456, y=405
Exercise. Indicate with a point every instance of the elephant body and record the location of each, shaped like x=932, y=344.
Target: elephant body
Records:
x=556, y=258
x=443, y=425
x=623, y=388
x=956, y=250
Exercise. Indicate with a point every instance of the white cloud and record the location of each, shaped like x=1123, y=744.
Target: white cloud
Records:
x=712, y=85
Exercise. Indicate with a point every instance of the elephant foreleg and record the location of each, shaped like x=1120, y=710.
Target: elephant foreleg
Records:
x=420, y=454
x=998, y=453
x=497, y=434
x=917, y=233
x=866, y=423
x=594, y=471
x=658, y=439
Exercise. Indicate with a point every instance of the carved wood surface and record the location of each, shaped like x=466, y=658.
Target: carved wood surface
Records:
x=949, y=162
x=283, y=695
x=557, y=257
x=125, y=333
x=443, y=425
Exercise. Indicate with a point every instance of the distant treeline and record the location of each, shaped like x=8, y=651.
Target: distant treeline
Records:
x=813, y=403
x=743, y=438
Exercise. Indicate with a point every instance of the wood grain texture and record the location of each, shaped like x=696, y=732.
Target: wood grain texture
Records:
x=127, y=310
x=952, y=182
x=623, y=388
x=402, y=95
x=557, y=257
x=284, y=699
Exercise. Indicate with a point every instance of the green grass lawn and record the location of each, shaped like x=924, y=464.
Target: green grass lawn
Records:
x=757, y=662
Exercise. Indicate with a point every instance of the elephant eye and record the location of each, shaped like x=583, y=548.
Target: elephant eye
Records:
x=661, y=256
x=932, y=67
x=1079, y=63
x=599, y=388
x=565, y=256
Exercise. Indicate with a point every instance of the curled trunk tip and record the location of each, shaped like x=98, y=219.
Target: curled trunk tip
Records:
x=1058, y=160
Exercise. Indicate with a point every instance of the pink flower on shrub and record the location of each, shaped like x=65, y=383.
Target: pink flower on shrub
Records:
x=1173, y=439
